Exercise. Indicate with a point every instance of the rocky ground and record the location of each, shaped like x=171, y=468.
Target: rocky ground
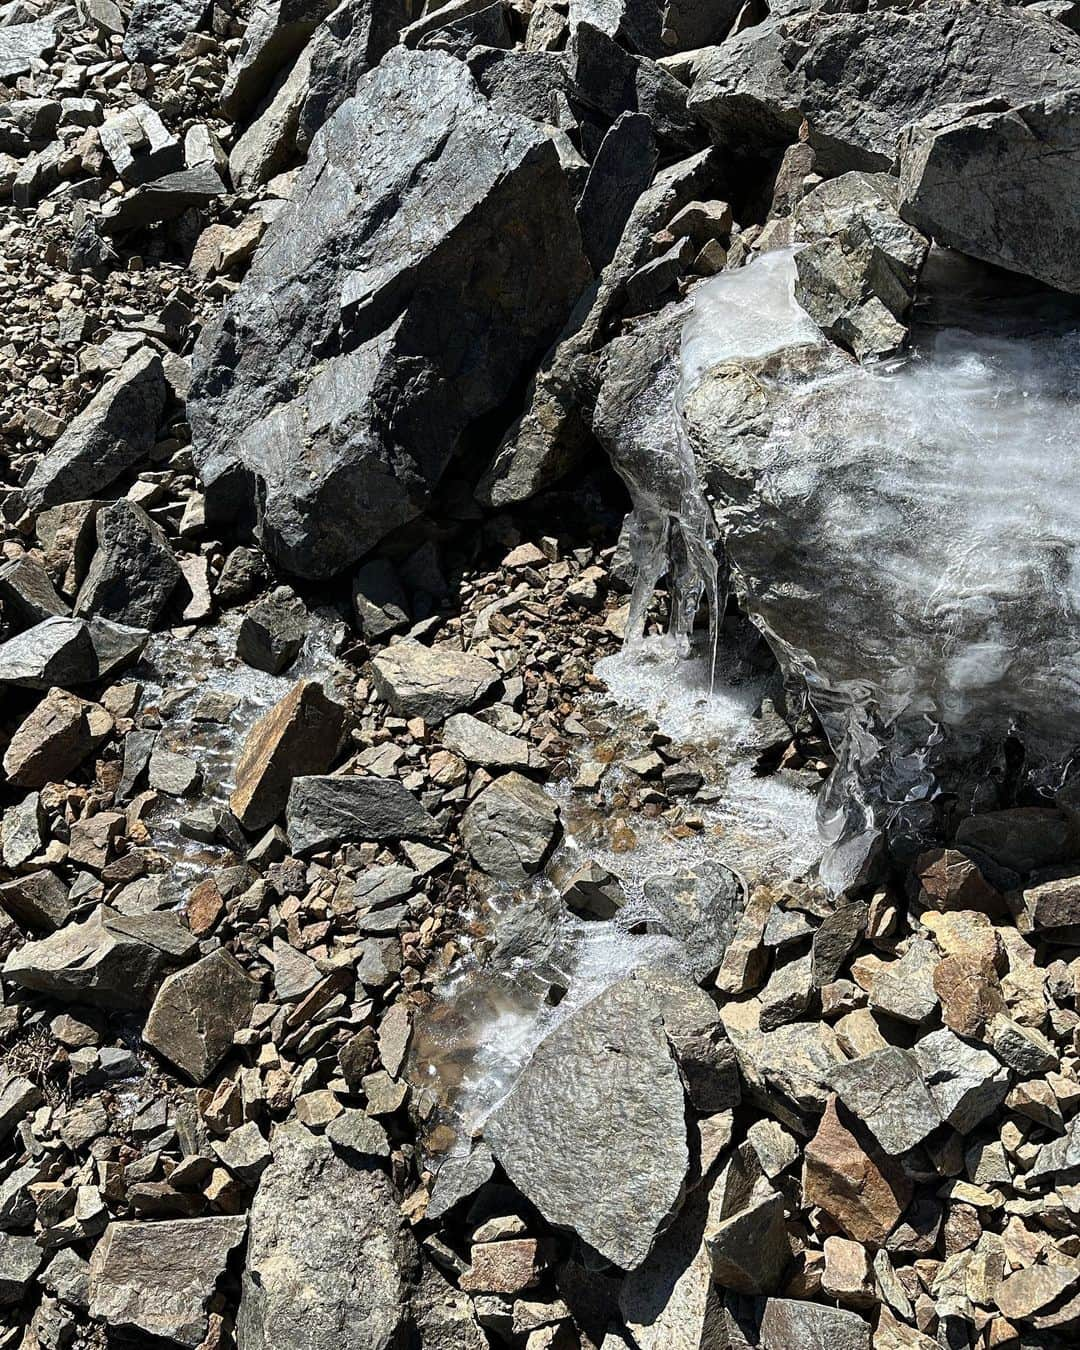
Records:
x=333, y=340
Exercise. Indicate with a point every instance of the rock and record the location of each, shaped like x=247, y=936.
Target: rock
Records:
x=510, y=827
x=273, y=631
x=163, y=199
x=601, y=1096
x=700, y=907
x=26, y=590
x=175, y=775
x=156, y=29
x=20, y=1260
x=198, y=1011
x=1053, y=904
x=139, y=144
x=109, y=960
x=846, y=1276
x=68, y=651
x=55, y=739
x=857, y=1185
x=354, y=1133
x=593, y=892
x=621, y=171
x=502, y=1267
x=750, y=1250
x=327, y=1261
x=444, y=1318
x=1023, y=839
x=298, y=736
x=375, y=274
x=134, y=571
x=965, y=1081
x=159, y=1278
x=791, y=1324
x=950, y=880
x=111, y=435
x=323, y=812
x=886, y=69
x=886, y=1091
x=38, y=900
x=379, y=600
x=904, y=989
x=835, y=939
x=431, y=682
x=1025, y=1292
x=1030, y=151
x=969, y=991
x=1024, y=1049
x=244, y=1152
x=275, y=33
x=22, y=44
x=481, y=743
x=23, y=831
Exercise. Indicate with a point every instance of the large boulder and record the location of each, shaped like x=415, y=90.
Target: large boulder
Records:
x=134, y=571
x=63, y=651
x=593, y=1132
x=328, y=1259
x=858, y=79
x=332, y=391
x=1000, y=183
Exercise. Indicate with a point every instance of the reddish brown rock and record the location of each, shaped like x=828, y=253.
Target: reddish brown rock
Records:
x=852, y=1180
x=970, y=993
x=951, y=880
x=55, y=739
x=503, y=1267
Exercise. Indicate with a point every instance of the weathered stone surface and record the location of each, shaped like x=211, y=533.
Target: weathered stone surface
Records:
x=509, y=828
x=950, y=880
x=750, y=1249
x=791, y=1324
x=1029, y=157
x=38, y=900
x=55, y=738
x=904, y=989
x=480, y=743
x=886, y=1091
x=1026, y=1292
x=1053, y=904
x=859, y=78
x=323, y=812
x=860, y=1188
x=342, y=313
x=26, y=590
x=159, y=1278
x=1023, y=838
x=328, y=1261
x=275, y=33
x=621, y=171
x=965, y=1081
x=198, y=1011
x=835, y=939
x=156, y=29
x=297, y=736
x=172, y=773
x=68, y=651
x=379, y=600
x=431, y=682
x=22, y=831
x=273, y=631
x=22, y=44
x=164, y=198
x=111, y=435
x=700, y=906
x=134, y=571
x=20, y=1259
x=601, y=1096
x=110, y=960
x=593, y=892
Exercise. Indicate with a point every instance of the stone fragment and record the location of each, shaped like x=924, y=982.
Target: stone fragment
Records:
x=1026, y=1292
x=379, y=600
x=156, y=29
x=134, y=571
x=327, y=1260
x=481, y=743
x=38, y=900
x=23, y=44
x=298, y=736
x=621, y=170
x=508, y=1267
x=198, y=1011
x=20, y=1260
x=354, y=1133
x=139, y=144
x=323, y=812
x=55, y=739
x=593, y=892
x=26, y=591
x=159, y=1278
x=904, y=989
x=700, y=906
x=601, y=1096
x=244, y=1152
x=163, y=199
x=1023, y=838
x=510, y=827
x=431, y=682
x=1024, y=1049
x=276, y=32
x=853, y=1181
x=846, y=1276
x=1053, y=904
x=834, y=941
x=175, y=775
x=886, y=1091
x=969, y=991
x=965, y=1081
x=750, y=1250
x=792, y=1324
x=951, y=880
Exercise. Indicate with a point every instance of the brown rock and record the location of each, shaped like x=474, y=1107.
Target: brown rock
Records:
x=205, y=907
x=198, y=1011
x=970, y=993
x=844, y=1173
x=1028, y=1291
x=847, y=1276
x=746, y=955
x=503, y=1267
x=1053, y=904
x=299, y=735
x=952, y=881
x=55, y=739
x=92, y=839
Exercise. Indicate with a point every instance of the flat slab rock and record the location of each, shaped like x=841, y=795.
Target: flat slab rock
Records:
x=323, y=812
x=601, y=1098
x=198, y=1011
x=431, y=682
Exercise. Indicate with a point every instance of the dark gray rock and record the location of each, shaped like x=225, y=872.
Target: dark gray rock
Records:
x=328, y=1260
x=886, y=1091
x=20, y=1260
x=526, y=84
x=750, y=1249
x=26, y=591
x=593, y=892
x=324, y=812
x=481, y=743
x=335, y=346
x=198, y=1011
x=489, y=26
x=836, y=939
x=510, y=827
x=636, y=25
x=159, y=1278
x=600, y=1097
x=859, y=79
x=140, y=145
x=999, y=183
x=273, y=631
x=621, y=171
x=965, y=1081
x=68, y=651
x=109, y=960
x=134, y=571
x=38, y=900
x=793, y=1324
x=156, y=29
x=163, y=199
x=276, y=31
x=379, y=600
x=111, y=435
x=700, y=907
x=431, y=682
x=22, y=831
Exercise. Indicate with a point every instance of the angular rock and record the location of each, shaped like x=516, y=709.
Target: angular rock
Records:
x=21, y=44
x=198, y=1011
x=140, y=145
x=594, y=892
x=159, y=1278
x=38, y=900
x=510, y=827
x=22, y=831
x=1053, y=904
x=904, y=989
x=68, y=651
x=885, y=1090
x=55, y=739
x=26, y=590
x=156, y=29
x=481, y=743
x=1030, y=153
x=110, y=436
x=20, y=1260
x=431, y=682
x=965, y=1081
x=328, y=1261
x=1023, y=838
x=950, y=880
x=335, y=346
x=600, y=1097
x=273, y=631
x=379, y=600
x=323, y=812
x=1026, y=1292
x=176, y=775
x=109, y=960
x=621, y=171
x=791, y=1324
x=297, y=736
x=275, y=33
x=700, y=906
x=134, y=571
x=751, y=1250
x=859, y=79
x=163, y=199
x=861, y=1189
x=835, y=939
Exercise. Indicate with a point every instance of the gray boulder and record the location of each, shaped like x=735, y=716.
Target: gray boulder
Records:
x=858, y=79
x=276, y=31
x=965, y=1081
x=159, y=1278
x=156, y=29
x=63, y=651
x=273, y=631
x=323, y=812
x=110, y=960
x=20, y=1259
x=621, y=171
x=198, y=1011
x=110, y=436
x=330, y=395
x=887, y=1092
x=794, y=1324
x=134, y=571
x=1000, y=183
x=431, y=682
x=22, y=44
x=510, y=827
x=600, y=1099
x=163, y=199
x=328, y=1260
x=27, y=592
x=700, y=907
